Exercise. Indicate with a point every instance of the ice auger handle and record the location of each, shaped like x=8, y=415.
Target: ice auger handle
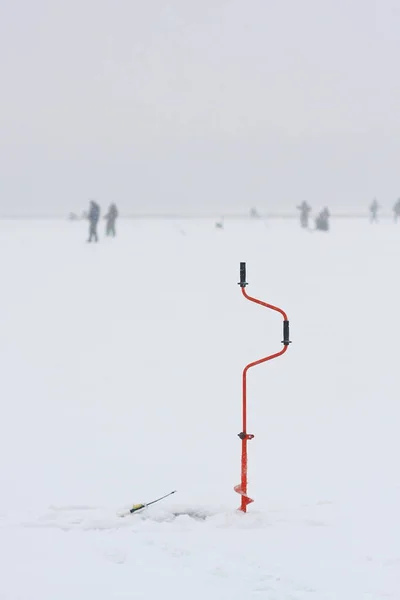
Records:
x=286, y=341
x=242, y=282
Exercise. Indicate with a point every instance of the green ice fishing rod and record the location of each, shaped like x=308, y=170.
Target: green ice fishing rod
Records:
x=137, y=507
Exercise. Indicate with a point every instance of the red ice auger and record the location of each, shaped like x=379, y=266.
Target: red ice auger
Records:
x=244, y=436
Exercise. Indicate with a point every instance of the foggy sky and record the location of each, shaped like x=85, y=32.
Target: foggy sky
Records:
x=198, y=105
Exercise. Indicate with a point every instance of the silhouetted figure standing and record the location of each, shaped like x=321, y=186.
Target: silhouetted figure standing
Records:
x=93, y=216
x=111, y=217
x=305, y=210
x=322, y=220
x=373, y=209
x=254, y=213
x=396, y=210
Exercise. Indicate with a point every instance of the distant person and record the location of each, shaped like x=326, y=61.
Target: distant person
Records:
x=396, y=210
x=322, y=220
x=305, y=210
x=373, y=209
x=110, y=218
x=254, y=213
x=93, y=216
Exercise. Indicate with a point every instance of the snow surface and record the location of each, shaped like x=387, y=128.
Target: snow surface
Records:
x=121, y=381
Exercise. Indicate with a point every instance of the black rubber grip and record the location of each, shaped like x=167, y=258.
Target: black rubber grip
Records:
x=242, y=282
x=286, y=337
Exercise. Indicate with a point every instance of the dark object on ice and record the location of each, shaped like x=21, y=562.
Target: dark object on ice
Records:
x=373, y=209
x=254, y=213
x=111, y=217
x=322, y=220
x=396, y=210
x=219, y=224
x=93, y=216
x=305, y=210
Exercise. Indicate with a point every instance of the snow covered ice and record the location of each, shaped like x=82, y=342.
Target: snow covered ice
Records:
x=121, y=381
